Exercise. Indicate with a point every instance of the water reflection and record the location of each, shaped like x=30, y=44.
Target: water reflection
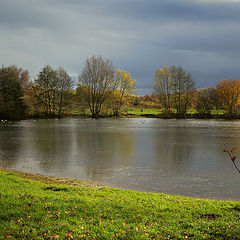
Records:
x=54, y=146
x=175, y=156
x=173, y=149
x=101, y=151
x=10, y=144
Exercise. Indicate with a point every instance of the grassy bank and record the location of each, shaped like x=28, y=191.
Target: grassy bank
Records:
x=39, y=207
x=157, y=113
x=139, y=112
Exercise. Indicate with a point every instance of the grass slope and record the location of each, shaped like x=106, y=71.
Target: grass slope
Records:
x=39, y=207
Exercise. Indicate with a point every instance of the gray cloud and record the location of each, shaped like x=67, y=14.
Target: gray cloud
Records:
x=138, y=35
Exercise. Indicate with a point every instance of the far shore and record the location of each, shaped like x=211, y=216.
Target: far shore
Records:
x=222, y=116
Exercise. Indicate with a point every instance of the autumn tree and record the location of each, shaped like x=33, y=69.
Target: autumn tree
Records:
x=228, y=95
x=205, y=100
x=163, y=88
x=124, y=86
x=81, y=98
x=183, y=87
x=13, y=83
x=174, y=88
x=64, y=84
x=98, y=77
x=33, y=100
x=51, y=87
x=46, y=88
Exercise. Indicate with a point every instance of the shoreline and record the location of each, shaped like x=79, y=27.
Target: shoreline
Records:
x=157, y=116
x=41, y=207
x=139, y=113
x=80, y=183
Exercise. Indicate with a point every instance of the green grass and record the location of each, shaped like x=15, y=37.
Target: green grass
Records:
x=38, y=207
x=155, y=111
x=139, y=111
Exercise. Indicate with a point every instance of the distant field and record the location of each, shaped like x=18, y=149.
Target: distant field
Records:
x=138, y=111
x=135, y=111
x=154, y=111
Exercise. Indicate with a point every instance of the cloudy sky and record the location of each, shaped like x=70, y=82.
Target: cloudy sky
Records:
x=139, y=36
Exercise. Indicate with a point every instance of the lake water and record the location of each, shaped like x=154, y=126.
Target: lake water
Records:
x=182, y=157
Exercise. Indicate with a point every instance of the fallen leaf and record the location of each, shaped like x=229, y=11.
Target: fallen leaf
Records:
x=69, y=235
x=232, y=149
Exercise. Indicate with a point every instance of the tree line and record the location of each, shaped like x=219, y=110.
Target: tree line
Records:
x=102, y=91
x=175, y=89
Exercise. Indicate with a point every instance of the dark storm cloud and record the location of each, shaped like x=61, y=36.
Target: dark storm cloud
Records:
x=178, y=10
x=165, y=9
x=138, y=35
x=22, y=14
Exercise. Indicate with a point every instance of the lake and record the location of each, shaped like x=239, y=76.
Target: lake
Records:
x=181, y=157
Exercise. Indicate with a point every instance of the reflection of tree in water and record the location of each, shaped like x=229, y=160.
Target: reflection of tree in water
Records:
x=52, y=144
x=58, y=145
x=173, y=149
x=126, y=142
x=64, y=144
x=10, y=144
x=101, y=152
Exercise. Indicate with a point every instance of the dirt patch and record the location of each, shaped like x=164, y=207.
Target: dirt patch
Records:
x=210, y=216
x=51, y=179
x=55, y=189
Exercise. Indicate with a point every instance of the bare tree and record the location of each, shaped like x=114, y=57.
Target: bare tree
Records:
x=183, y=88
x=232, y=157
x=206, y=100
x=98, y=77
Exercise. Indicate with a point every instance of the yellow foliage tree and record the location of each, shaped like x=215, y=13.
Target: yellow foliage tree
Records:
x=162, y=87
x=33, y=99
x=125, y=85
x=228, y=95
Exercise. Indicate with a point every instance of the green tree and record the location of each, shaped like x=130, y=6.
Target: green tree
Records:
x=12, y=83
x=46, y=88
